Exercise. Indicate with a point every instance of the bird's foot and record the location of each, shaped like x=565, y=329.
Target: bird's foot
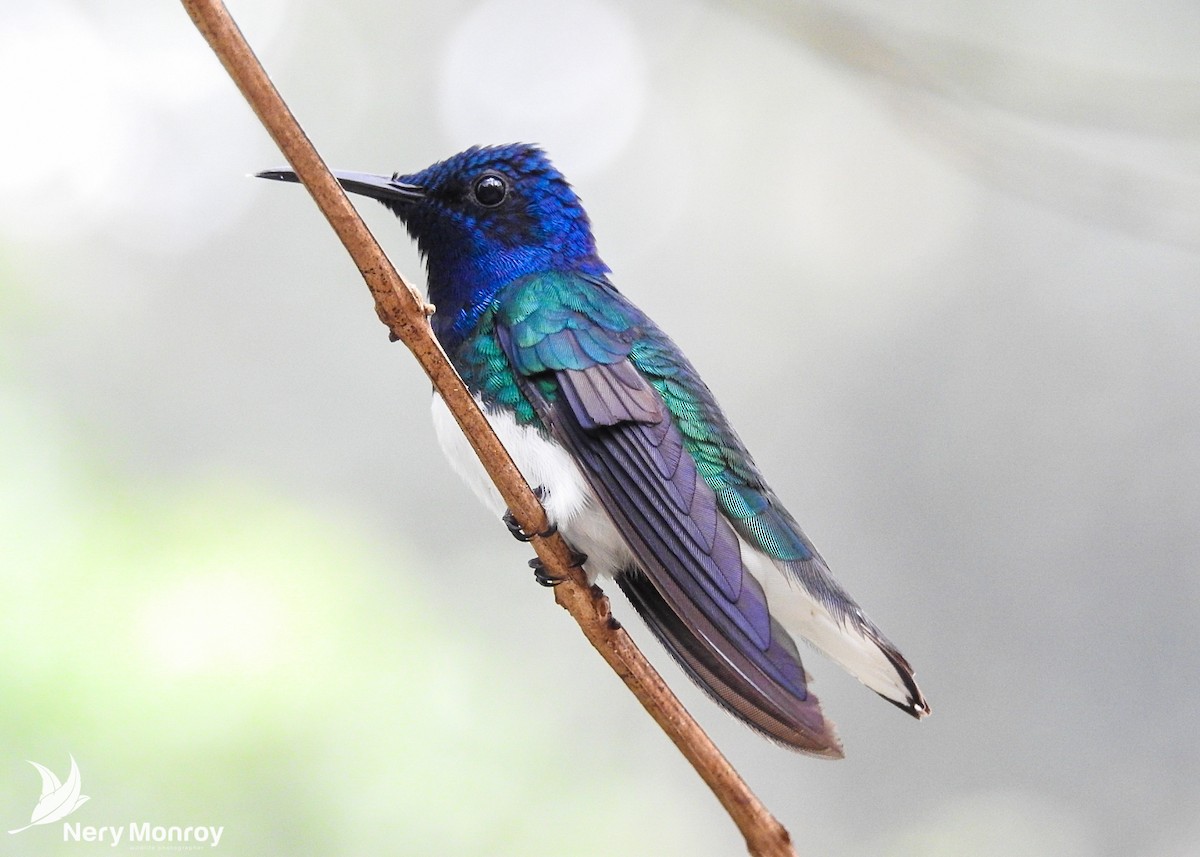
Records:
x=545, y=578
x=519, y=534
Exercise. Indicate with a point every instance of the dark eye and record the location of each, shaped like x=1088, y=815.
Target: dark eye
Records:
x=490, y=190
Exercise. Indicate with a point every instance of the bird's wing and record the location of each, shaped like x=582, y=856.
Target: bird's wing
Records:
x=802, y=593
x=570, y=343
x=682, y=488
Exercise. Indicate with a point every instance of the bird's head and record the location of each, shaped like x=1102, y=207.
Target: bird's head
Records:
x=484, y=217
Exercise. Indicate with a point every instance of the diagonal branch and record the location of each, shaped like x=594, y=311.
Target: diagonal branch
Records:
x=405, y=314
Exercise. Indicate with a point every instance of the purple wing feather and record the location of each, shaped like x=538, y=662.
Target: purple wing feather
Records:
x=691, y=586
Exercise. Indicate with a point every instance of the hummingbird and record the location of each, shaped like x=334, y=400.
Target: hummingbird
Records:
x=634, y=461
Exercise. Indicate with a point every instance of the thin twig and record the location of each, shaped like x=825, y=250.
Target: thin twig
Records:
x=404, y=313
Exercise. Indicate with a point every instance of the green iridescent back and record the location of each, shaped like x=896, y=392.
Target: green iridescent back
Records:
x=487, y=373
x=561, y=321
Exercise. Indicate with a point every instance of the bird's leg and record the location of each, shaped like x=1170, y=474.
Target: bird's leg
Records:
x=519, y=534
x=540, y=574
x=545, y=578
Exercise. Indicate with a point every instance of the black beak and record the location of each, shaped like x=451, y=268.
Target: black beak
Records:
x=383, y=188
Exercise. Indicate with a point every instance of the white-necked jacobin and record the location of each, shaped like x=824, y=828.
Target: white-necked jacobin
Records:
x=635, y=462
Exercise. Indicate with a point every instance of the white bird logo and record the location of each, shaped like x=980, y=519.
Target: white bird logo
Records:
x=58, y=800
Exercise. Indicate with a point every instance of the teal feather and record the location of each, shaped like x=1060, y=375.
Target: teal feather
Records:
x=560, y=321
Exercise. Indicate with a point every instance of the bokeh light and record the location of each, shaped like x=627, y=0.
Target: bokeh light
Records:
x=568, y=75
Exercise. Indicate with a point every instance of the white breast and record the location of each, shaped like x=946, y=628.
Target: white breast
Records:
x=569, y=501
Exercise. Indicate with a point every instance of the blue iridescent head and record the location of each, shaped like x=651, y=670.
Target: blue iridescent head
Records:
x=482, y=219
x=505, y=208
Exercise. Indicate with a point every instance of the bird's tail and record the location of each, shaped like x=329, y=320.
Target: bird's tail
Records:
x=741, y=688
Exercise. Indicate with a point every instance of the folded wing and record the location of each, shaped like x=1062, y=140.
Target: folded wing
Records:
x=721, y=576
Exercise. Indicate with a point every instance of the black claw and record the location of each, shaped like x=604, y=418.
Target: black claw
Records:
x=519, y=534
x=510, y=521
x=545, y=578
x=392, y=337
x=542, y=576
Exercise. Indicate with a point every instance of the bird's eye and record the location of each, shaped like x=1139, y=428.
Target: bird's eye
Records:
x=490, y=190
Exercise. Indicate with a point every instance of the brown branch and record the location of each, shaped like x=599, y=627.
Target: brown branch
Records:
x=404, y=313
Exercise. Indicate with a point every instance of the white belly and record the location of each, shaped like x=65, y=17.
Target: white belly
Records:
x=569, y=501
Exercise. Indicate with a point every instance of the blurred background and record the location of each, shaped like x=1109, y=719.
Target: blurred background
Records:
x=940, y=264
